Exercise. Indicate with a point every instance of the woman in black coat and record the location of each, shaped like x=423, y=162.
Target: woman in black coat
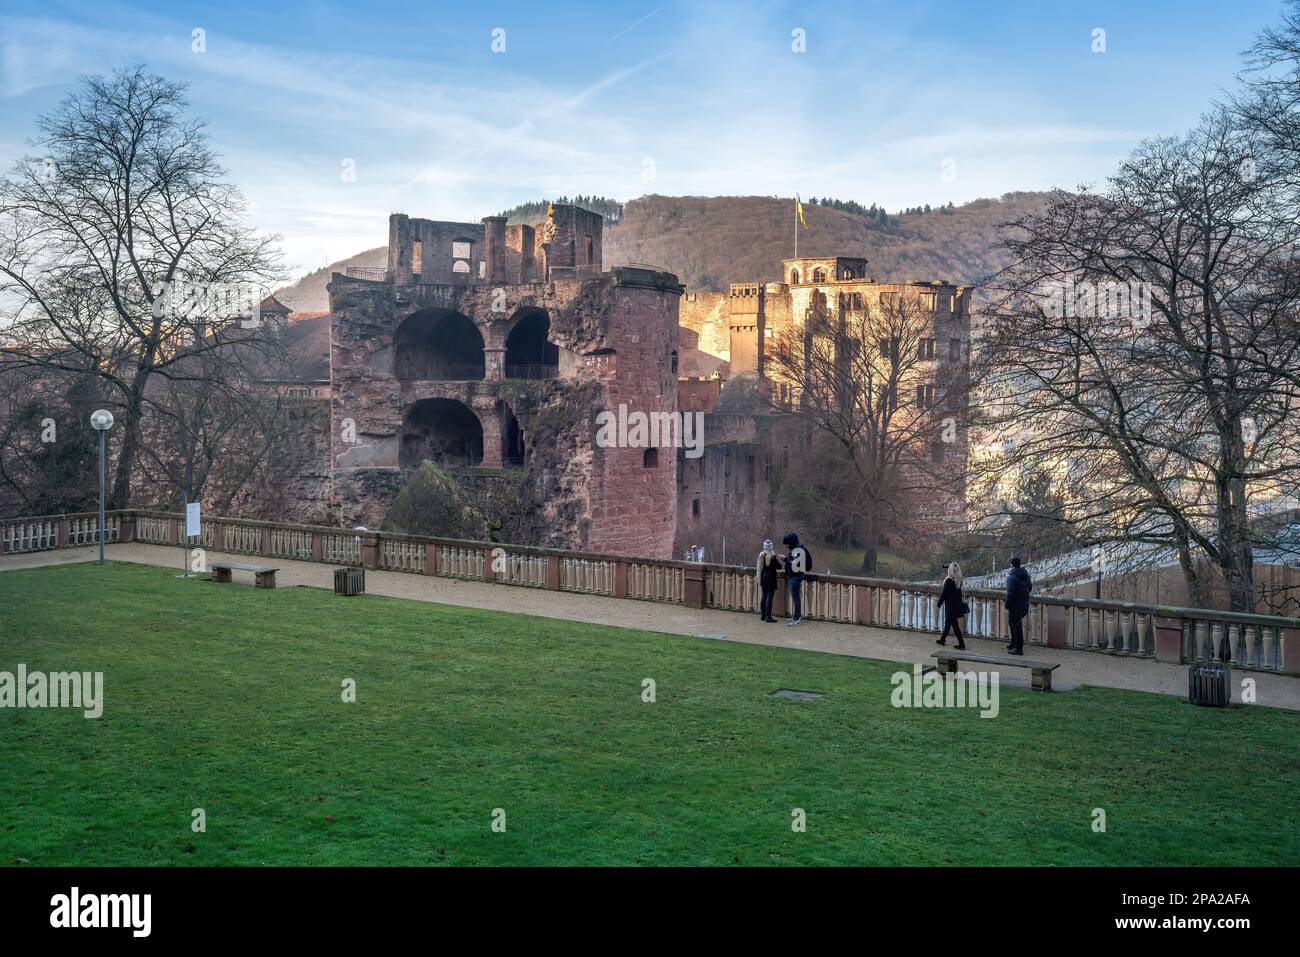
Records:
x=769, y=563
x=954, y=606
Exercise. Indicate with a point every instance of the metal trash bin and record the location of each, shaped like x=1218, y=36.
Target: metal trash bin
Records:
x=1209, y=683
x=349, y=581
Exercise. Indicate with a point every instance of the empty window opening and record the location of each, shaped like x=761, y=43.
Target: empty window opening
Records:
x=512, y=440
x=529, y=354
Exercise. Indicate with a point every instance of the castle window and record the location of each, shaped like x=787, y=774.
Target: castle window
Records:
x=925, y=396
x=794, y=277
x=848, y=274
x=591, y=250
x=926, y=349
x=819, y=275
x=461, y=250
x=695, y=507
x=674, y=362
x=417, y=257
x=928, y=301
x=650, y=459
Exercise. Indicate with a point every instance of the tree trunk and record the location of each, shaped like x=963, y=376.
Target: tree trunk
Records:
x=1195, y=596
x=126, y=456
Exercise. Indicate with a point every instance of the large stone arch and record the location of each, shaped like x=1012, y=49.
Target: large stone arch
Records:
x=438, y=344
x=529, y=353
x=446, y=431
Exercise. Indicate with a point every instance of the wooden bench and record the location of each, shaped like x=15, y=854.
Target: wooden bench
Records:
x=265, y=574
x=1042, y=670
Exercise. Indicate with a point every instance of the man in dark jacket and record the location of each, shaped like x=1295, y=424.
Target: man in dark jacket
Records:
x=798, y=563
x=1019, y=586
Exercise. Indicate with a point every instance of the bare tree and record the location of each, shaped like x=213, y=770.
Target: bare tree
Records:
x=1143, y=344
x=864, y=381
x=125, y=203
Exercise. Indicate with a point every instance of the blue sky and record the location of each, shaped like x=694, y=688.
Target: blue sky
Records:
x=624, y=99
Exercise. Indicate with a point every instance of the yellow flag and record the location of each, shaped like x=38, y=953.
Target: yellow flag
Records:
x=798, y=208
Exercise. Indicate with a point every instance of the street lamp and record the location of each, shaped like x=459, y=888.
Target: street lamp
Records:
x=101, y=420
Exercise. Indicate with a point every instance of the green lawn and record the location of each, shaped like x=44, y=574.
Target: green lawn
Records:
x=229, y=699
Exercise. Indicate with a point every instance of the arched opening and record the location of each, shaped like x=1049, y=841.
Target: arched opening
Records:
x=819, y=275
x=438, y=344
x=442, y=430
x=512, y=439
x=794, y=277
x=674, y=362
x=528, y=353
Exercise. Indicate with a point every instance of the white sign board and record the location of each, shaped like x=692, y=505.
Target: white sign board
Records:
x=192, y=529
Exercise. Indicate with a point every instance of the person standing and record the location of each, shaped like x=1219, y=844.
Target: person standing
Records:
x=1019, y=585
x=954, y=606
x=798, y=562
x=769, y=563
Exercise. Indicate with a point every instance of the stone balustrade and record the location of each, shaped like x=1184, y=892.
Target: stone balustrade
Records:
x=1253, y=642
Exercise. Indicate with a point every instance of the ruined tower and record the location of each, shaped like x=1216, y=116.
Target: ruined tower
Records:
x=492, y=348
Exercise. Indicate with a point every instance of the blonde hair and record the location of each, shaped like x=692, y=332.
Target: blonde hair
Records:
x=954, y=572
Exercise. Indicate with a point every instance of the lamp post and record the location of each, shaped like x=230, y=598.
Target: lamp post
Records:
x=101, y=420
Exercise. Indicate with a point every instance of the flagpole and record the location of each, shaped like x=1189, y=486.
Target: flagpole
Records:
x=796, y=225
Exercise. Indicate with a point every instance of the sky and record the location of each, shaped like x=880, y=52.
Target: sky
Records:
x=331, y=116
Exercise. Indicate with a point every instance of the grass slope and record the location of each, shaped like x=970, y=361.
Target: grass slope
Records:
x=228, y=699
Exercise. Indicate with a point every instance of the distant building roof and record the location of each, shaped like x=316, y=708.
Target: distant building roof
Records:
x=272, y=305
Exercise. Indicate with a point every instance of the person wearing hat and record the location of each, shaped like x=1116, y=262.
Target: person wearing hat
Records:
x=798, y=563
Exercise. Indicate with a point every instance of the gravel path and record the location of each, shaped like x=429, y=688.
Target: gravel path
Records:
x=1077, y=668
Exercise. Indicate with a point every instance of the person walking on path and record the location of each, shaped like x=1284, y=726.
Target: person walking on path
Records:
x=1019, y=585
x=954, y=606
x=798, y=562
x=769, y=563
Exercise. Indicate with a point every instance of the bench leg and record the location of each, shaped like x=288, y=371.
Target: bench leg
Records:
x=1042, y=680
x=221, y=574
x=266, y=579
